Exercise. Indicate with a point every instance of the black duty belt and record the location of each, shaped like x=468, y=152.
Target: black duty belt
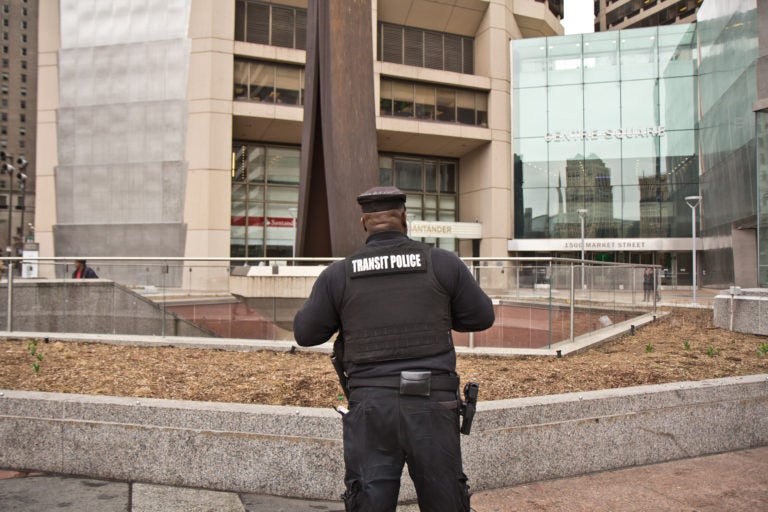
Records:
x=437, y=382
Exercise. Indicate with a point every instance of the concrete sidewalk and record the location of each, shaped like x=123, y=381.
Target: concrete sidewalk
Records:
x=734, y=481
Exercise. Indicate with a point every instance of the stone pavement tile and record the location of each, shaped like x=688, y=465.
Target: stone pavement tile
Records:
x=263, y=503
x=736, y=481
x=260, y=503
x=162, y=498
x=49, y=493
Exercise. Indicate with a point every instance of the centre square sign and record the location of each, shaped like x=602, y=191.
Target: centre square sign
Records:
x=437, y=229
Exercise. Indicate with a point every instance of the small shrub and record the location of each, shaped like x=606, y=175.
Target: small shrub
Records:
x=649, y=348
x=712, y=351
x=37, y=355
x=687, y=346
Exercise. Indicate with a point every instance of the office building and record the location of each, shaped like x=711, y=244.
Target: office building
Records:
x=18, y=114
x=607, y=123
x=624, y=14
x=173, y=128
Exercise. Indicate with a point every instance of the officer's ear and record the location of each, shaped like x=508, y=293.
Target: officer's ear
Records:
x=404, y=219
x=362, y=223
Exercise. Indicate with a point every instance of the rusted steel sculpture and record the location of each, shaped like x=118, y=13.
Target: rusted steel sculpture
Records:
x=339, y=158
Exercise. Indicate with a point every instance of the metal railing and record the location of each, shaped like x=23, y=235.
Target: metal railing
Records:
x=539, y=302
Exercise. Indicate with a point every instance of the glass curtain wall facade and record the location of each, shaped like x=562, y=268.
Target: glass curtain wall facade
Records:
x=728, y=40
x=605, y=122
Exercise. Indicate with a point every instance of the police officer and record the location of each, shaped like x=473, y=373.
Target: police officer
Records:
x=394, y=303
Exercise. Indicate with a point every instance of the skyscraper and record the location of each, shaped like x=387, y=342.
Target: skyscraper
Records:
x=623, y=14
x=18, y=107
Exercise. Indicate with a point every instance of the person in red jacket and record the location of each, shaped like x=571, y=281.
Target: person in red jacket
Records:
x=83, y=271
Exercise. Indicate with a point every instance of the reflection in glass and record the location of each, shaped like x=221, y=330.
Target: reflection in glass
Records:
x=616, y=140
x=430, y=176
x=530, y=62
x=425, y=102
x=596, y=97
x=640, y=103
x=386, y=99
x=564, y=60
x=565, y=108
x=465, y=107
x=408, y=174
x=240, y=88
x=528, y=107
x=403, y=99
x=283, y=165
x=262, y=82
x=269, y=182
x=639, y=53
x=601, y=57
x=446, y=105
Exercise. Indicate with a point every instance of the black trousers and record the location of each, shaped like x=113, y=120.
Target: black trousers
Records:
x=384, y=430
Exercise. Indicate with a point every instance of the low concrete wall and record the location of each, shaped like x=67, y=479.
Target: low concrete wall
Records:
x=297, y=452
x=98, y=306
x=742, y=310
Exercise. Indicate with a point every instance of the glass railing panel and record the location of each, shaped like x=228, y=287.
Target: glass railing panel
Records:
x=538, y=302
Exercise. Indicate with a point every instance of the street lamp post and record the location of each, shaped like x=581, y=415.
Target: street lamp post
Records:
x=582, y=215
x=693, y=202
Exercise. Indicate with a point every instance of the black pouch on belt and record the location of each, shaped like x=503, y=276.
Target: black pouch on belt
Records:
x=415, y=383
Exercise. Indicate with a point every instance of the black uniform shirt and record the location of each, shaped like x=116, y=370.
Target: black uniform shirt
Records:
x=471, y=310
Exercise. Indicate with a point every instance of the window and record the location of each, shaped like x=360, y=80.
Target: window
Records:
x=272, y=24
x=268, y=82
x=425, y=48
x=433, y=103
x=265, y=193
x=430, y=188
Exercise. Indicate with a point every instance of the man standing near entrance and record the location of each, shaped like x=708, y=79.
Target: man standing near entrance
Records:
x=394, y=303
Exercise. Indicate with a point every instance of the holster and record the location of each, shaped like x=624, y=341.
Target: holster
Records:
x=337, y=359
x=468, y=406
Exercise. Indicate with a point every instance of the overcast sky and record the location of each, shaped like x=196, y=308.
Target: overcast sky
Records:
x=578, y=17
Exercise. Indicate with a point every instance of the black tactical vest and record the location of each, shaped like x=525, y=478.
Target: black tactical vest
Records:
x=393, y=306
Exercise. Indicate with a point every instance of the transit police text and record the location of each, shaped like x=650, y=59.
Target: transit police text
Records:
x=387, y=262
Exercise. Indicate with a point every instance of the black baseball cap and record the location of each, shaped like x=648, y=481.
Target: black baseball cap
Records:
x=379, y=199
